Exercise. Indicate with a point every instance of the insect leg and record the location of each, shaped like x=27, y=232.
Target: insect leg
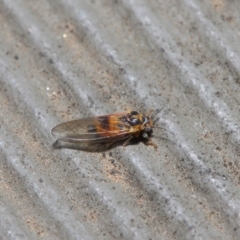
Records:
x=150, y=142
x=127, y=141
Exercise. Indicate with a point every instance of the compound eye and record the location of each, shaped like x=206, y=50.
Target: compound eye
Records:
x=134, y=113
x=135, y=121
x=148, y=129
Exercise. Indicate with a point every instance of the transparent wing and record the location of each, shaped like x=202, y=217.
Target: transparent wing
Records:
x=108, y=128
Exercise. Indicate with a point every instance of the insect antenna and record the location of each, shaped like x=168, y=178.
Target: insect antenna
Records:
x=159, y=127
x=163, y=136
x=153, y=114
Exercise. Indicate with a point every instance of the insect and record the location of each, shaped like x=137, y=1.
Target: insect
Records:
x=106, y=129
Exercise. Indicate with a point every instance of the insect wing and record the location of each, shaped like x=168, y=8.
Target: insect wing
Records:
x=108, y=128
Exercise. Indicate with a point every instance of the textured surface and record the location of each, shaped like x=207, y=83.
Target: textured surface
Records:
x=66, y=59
